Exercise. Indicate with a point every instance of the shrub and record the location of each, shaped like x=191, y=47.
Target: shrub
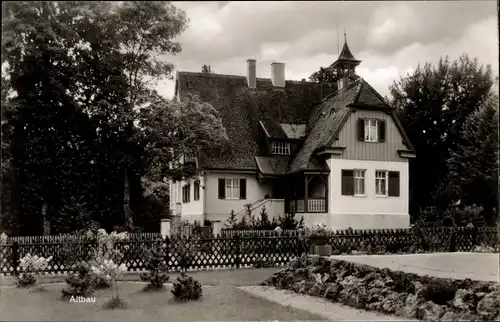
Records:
x=26, y=280
x=105, y=253
x=439, y=291
x=32, y=267
x=157, y=270
x=80, y=282
x=111, y=273
x=186, y=288
x=288, y=221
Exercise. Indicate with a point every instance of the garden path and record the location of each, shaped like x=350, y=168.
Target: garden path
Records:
x=459, y=265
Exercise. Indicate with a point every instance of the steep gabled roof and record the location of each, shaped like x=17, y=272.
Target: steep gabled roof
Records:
x=243, y=110
x=328, y=118
x=324, y=123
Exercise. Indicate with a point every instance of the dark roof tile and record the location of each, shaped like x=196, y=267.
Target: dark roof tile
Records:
x=325, y=122
x=242, y=108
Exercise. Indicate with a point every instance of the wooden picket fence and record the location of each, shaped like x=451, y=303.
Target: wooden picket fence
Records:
x=235, y=250
x=229, y=233
x=179, y=253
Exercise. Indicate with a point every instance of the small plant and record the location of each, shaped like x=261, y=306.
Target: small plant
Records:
x=111, y=272
x=26, y=280
x=32, y=267
x=80, y=282
x=439, y=292
x=157, y=270
x=288, y=221
x=115, y=303
x=232, y=220
x=186, y=288
x=104, y=253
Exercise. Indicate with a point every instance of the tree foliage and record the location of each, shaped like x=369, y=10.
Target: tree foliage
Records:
x=328, y=75
x=473, y=163
x=206, y=69
x=434, y=103
x=77, y=70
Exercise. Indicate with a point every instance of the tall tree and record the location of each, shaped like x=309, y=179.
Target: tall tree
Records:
x=146, y=30
x=473, y=164
x=434, y=103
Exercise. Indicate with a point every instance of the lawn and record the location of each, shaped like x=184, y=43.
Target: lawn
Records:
x=219, y=303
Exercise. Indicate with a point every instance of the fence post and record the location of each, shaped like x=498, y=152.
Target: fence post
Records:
x=15, y=256
x=165, y=228
x=237, y=246
x=216, y=228
x=166, y=249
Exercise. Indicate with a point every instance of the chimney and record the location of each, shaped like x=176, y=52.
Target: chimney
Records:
x=342, y=82
x=252, y=73
x=278, y=74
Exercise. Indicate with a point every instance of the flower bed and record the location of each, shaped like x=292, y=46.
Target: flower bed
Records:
x=398, y=293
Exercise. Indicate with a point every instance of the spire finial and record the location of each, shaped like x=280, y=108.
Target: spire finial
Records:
x=345, y=35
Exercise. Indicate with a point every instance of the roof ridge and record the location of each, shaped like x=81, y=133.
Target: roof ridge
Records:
x=292, y=81
x=338, y=91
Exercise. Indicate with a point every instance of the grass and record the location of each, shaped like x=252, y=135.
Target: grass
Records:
x=219, y=303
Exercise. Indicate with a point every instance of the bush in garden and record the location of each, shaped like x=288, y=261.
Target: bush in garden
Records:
x=32, y=267
x=104, y=253
x=288, y=221
x=157, y=270
x=186, y=288
x=439, y=292
x=111, y=273
x=80, y=282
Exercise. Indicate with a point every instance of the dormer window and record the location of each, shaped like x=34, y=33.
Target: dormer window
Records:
x=281, y=147
x=371, y=130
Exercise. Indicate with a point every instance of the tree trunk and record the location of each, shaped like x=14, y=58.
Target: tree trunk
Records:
x=126, y=201
x=45, y=221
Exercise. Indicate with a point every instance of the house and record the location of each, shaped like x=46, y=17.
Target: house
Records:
x=333, y=153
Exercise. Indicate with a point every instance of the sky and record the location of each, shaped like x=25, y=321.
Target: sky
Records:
x=390, y=38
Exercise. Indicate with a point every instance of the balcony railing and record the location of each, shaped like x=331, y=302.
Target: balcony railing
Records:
x=313, y=205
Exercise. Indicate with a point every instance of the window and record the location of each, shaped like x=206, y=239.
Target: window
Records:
x=381, y=182
x=232, y=189
x=281, y=147
x=196, y=192
x=359, y=182
x=393, y=187
x=186, y=193
x=371, y=130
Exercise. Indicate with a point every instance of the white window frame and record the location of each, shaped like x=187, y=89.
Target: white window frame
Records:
x=371, y=130
x=381, y=176
x=280, y=147
x=359, y=176
x=232, y=187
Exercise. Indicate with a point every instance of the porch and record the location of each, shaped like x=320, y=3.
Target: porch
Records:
x=307, y=193
x=313, y=205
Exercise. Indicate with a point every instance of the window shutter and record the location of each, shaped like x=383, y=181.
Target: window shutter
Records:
x=361, y=129
x=222, y=188
x=381, y=130
x=188, y=188
x=243, y=188
x=347, y=182
x=393, y=184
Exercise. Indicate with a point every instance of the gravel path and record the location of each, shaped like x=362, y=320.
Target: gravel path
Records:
x=460, y=265
x=329, y=310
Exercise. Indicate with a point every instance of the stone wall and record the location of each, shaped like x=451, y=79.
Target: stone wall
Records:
x=398, y=293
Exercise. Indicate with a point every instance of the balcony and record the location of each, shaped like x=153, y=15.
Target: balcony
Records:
x=313, y=205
